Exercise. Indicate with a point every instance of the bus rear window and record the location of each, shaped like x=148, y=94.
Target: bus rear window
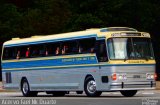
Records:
x=9, y=53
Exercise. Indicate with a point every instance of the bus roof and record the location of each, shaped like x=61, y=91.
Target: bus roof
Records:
x=93, y=32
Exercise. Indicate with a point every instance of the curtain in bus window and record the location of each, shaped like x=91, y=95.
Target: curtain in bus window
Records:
x=111, y=48
x=120, y=47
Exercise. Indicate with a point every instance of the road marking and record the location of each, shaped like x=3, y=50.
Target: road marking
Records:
x=106, y=93
x=148, y=93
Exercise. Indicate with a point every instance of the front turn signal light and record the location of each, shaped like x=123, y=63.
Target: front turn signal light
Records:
x=114, y=76
x=155, y=76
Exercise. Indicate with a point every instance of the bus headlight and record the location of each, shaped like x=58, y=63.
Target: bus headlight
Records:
x=150, y=76
x=122, y=77
x=119, y=76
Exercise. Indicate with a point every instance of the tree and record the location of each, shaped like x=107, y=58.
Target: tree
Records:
x=47, y=17
x=83, y=21
x=9, y=20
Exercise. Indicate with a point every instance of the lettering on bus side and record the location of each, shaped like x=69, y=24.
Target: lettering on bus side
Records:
x=136, y=62
x=68, y=60
x=78, y=59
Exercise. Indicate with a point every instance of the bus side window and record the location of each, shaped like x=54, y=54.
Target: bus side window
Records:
x=9, y=53
x=80, y=49
x=87, y=45
x=42, y=50
x=64, y=49
x=18, y=54
x=101, y=51
x=28, y=52
x=57, y=51
x=52, y=49
x=6, y=53
x=70, y=47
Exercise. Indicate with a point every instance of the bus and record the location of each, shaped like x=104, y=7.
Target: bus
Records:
x=93, y=61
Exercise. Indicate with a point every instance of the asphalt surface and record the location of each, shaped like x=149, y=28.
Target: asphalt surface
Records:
x=151, y=97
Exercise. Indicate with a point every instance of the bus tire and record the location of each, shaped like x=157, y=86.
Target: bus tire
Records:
x=26, y=89
x=90, y=87
x=128, y=93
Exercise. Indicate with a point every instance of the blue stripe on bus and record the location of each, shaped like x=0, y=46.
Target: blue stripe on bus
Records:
x=52, y=40
x=67, y=67
x=77, y=66
x=50, y=62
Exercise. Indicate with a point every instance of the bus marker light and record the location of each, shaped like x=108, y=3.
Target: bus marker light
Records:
x=150, y=76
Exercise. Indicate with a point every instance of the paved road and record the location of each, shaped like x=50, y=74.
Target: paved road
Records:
x=107, y=98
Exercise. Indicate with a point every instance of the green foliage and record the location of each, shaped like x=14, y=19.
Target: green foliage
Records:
x=23, y=18
x=43, y=17
x=9, y=20
x=84, y=21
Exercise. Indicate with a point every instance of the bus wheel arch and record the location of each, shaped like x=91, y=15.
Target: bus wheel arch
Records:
x=87, y=76
x=25, y=88
x=90, y=87
x=23, y=78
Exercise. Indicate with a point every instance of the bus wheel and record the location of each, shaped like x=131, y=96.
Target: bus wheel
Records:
x=26, y=89
x=90, y=88
x=128, y=93
x=59, y=93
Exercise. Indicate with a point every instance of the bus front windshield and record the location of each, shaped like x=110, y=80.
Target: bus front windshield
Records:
x=130, y=48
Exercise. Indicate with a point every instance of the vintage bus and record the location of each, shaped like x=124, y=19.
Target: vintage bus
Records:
x=91, y=61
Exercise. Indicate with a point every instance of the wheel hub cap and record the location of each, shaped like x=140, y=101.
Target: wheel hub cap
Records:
x=91, y=86
x=25, y=87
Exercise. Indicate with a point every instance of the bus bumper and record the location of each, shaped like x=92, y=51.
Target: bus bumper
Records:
x=133, y=85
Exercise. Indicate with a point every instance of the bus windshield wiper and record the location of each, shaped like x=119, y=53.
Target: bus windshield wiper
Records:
x=146, y=58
